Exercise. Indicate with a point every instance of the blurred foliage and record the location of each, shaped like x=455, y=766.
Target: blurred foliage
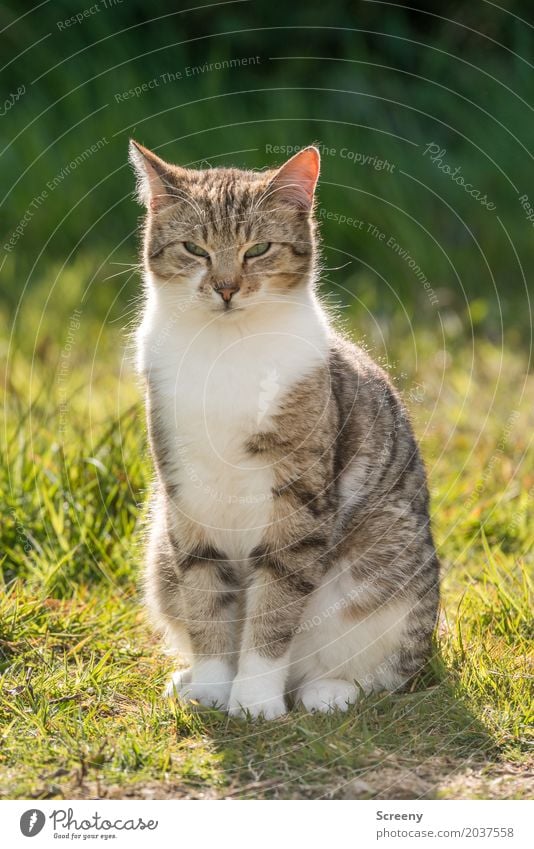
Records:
x=377, y=79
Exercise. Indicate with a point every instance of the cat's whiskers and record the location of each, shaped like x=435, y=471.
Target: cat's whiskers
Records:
x=133, y=267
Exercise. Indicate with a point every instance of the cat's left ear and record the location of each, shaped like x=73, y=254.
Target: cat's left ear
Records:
x=296, y=180
x=156, y=179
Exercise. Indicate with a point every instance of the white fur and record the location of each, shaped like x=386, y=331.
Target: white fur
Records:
x=334, y=643
x=208, y=682
x=259, y=686
x=352, y=484
x=327, y=694
x=220, y=377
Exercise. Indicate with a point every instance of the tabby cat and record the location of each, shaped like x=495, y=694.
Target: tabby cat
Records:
x=290, y=556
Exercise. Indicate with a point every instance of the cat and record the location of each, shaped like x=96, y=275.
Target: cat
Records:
x=290, y=555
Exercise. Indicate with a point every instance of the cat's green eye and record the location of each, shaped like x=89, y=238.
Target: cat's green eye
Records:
x=257, y=250
x=196, y=249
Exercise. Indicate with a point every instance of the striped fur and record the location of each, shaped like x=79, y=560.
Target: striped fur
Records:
x=290, y=555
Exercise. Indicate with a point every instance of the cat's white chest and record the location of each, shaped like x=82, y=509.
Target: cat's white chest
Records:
x=220, y=402
x=218, y=386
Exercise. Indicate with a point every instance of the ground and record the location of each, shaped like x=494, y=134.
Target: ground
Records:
x=82, y=712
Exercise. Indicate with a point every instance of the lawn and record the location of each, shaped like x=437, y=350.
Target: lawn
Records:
x=81, y=707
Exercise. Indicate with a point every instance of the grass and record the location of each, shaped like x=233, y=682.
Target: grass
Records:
x=81, y=712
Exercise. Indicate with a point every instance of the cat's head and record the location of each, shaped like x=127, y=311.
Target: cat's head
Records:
x=225, y=238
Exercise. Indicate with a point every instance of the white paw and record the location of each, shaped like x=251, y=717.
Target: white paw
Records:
x=190, y=685
x=271, y=709
x=328, y=694
x=249, y=700
x=177, y=683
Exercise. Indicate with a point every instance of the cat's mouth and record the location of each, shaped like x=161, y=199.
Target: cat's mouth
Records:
x=228, y=309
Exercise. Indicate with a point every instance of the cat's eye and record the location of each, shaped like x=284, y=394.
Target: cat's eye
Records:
x=257, y=250
x=196, y=250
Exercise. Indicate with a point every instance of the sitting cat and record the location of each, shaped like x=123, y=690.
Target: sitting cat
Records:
x=290, y=553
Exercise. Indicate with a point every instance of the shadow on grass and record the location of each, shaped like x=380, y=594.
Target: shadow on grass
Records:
x=419, y=744
x=406, y=745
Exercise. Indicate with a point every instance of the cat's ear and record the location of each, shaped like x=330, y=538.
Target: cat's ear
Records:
x=156, y=179
x=295, y=181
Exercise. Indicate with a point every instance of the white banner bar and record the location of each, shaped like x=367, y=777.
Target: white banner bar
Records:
x=264, y=824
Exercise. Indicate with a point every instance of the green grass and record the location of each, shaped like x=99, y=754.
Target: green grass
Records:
x=81, y=712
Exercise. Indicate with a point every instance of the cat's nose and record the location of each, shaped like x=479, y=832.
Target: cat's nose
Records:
x=226, y=291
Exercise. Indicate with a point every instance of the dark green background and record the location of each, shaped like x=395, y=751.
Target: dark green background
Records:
x=376, y=78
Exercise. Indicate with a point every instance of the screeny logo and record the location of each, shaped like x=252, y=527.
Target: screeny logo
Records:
x=32, y=822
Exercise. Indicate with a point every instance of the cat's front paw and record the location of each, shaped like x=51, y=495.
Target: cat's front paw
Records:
x=272, y=709
x=208, y=686
x=327, y=694
x=178, y=682
x=247, y=701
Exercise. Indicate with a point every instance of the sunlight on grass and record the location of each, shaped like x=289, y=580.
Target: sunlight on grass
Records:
x=81, y=701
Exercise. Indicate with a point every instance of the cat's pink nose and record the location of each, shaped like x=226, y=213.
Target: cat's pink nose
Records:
x=226, y=291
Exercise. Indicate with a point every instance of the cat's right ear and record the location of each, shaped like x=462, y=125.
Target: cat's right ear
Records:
x=295, y=181
x=156, y=179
